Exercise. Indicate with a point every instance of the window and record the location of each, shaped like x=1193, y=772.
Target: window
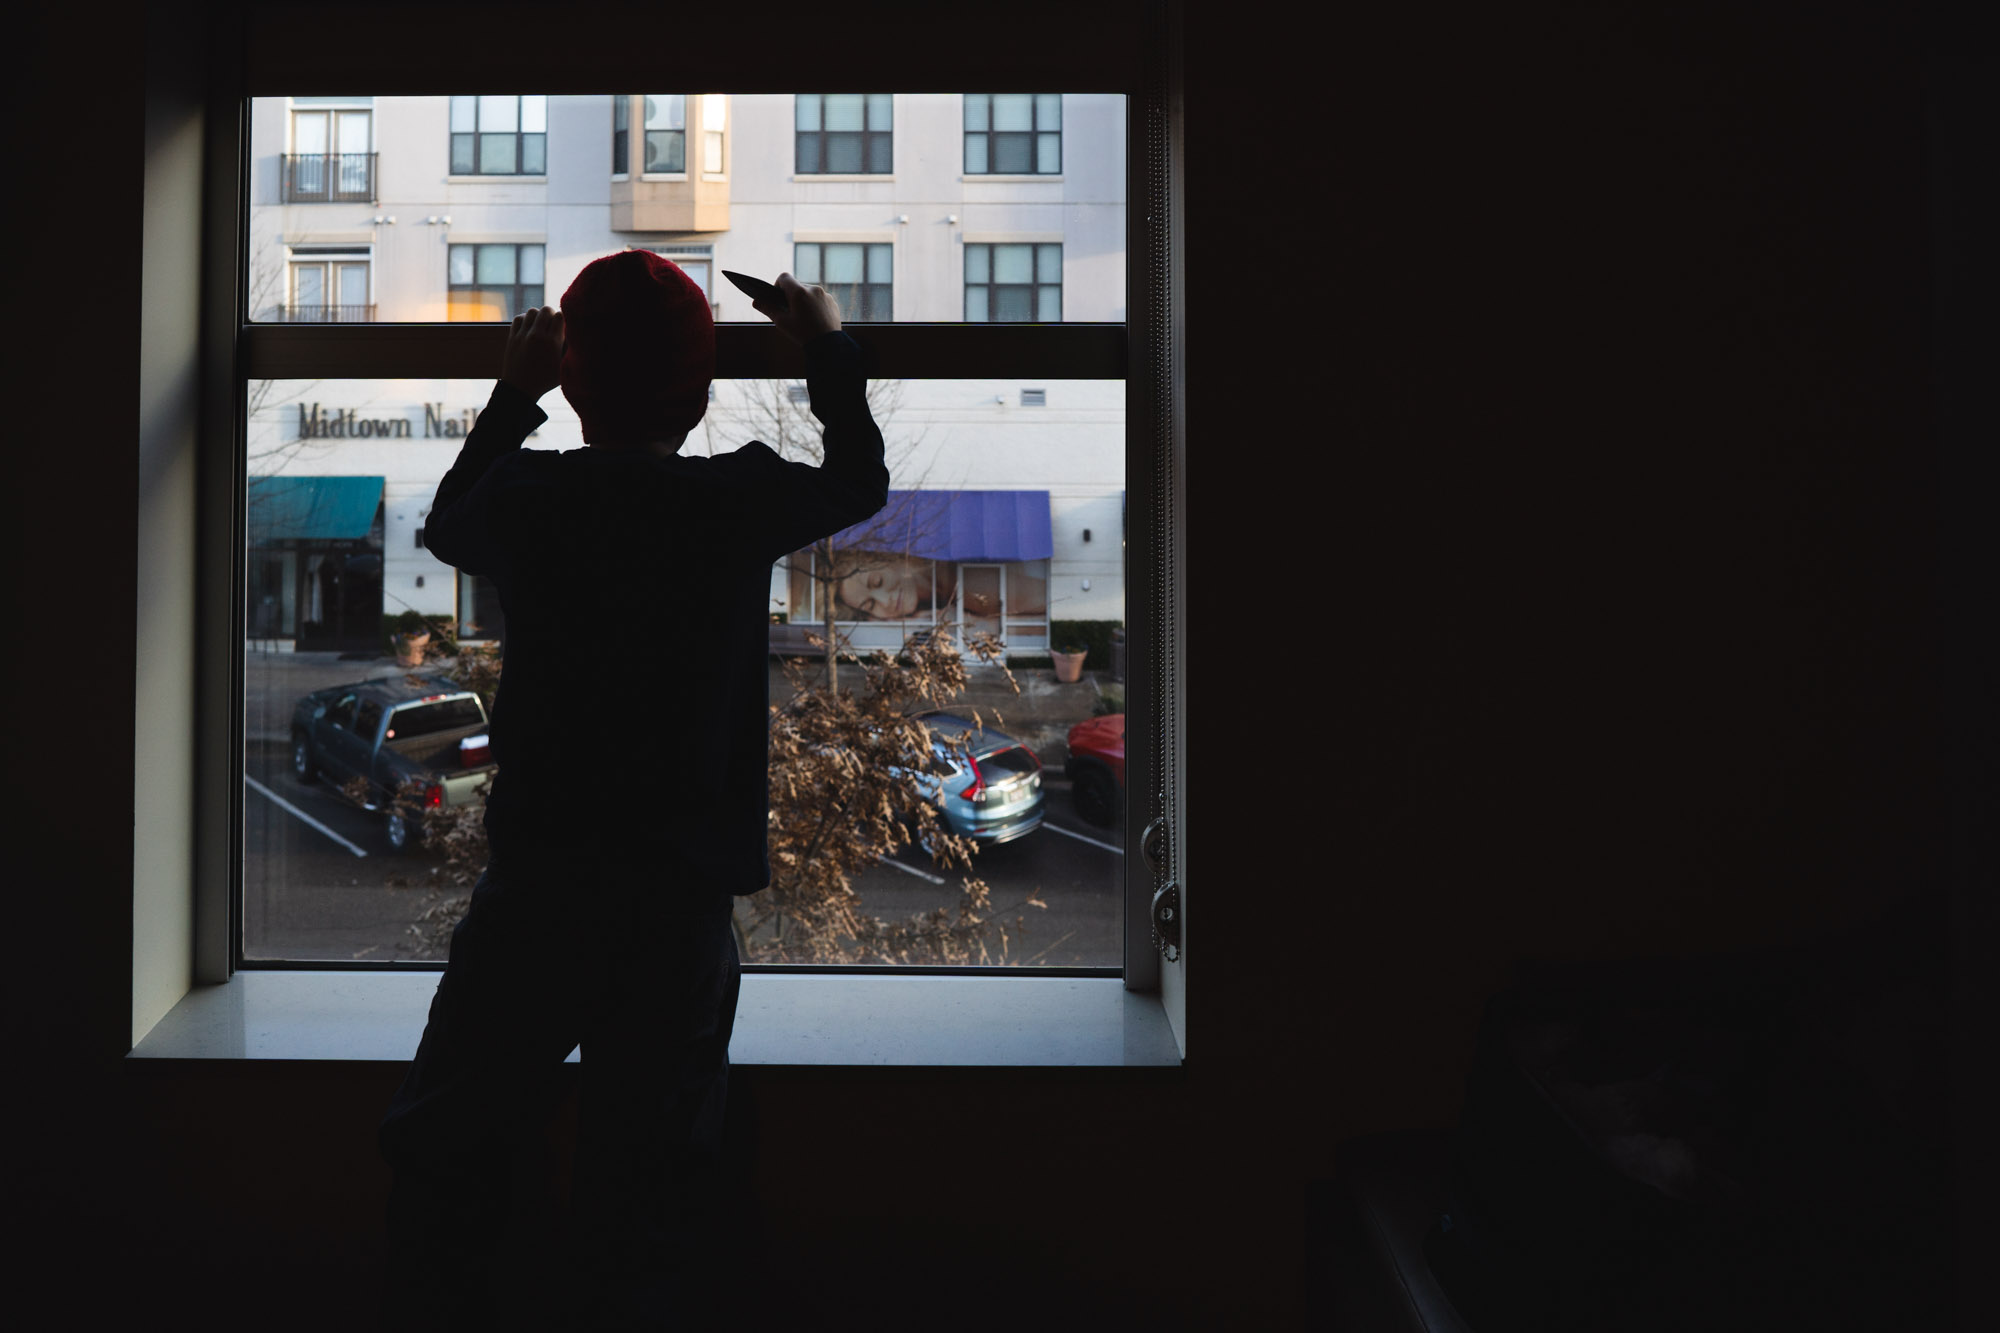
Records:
x=714, y=123
x=493, y=281
x=621, y=135
x=393, y=407
x=330, y=161
x=325, y=287
x=1013, y=134
x=843, y=134
x=1012, y=283
x=666, y=133
x=499, y=135
x=856, y=273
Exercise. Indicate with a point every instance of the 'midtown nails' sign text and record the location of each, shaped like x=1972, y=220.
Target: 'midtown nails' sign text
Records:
x=347, y=423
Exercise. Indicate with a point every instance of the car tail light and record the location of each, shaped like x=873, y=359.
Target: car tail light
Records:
x=976, y=793
x=434, y=796
x=473, y=751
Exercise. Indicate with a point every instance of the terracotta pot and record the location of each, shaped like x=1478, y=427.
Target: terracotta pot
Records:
x=410, y=648
x=1069, y=666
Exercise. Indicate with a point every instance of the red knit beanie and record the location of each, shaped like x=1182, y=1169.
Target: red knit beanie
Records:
x=639, y=349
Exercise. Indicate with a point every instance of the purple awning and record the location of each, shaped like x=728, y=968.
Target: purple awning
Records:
x=958, y=525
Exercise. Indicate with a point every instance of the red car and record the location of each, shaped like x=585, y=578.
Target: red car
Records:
x=1096, y=769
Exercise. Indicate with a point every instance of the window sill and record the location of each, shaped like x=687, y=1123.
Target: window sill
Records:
x=1012, y=1021
x=663, y=176
x=496, y=176
x=1015, y=180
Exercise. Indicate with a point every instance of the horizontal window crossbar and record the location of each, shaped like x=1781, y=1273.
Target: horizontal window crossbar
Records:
x=742, y=351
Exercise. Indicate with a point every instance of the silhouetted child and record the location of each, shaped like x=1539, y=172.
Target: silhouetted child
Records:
x=630, y=805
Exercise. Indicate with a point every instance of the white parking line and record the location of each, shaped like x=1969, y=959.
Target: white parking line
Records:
x=1051, y=824
x=287, y=805
x=910, y=870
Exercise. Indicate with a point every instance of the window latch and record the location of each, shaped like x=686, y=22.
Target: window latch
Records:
x=1167, y=921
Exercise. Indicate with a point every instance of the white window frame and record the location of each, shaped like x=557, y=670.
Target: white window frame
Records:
x=339, y=1013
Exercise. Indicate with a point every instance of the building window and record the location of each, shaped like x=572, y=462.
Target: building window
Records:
x=858, y=275
x=490, y=282
x=330, y=161
x=1013, y=134
x=1013, y=283
x=714, y=122
x=666, y=133
x=621, y=135
x=500, y=135
x=843, y=134
x=324, y=287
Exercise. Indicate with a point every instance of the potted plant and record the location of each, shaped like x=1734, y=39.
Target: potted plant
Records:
x=1069, y=661
x=412, y=636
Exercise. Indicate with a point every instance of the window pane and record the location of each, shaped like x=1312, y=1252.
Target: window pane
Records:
x=496, y=263
x=711, y=158
x=1048, y=111
x=460, y=264
x=1012, y=154
x=844, y=111
x=342, y=473
x=977, y=109
x=1013, y=263
x=933, y=279
x=1048, y=263
x=475, y=305
x=805, y=264
x=1048, y=305
x=877, y=304
x=309, y=132
x=1013, y=111
x=498, y=153
x=534, y=114
x=1013, y=304
x=975, y=305
x=353, y=284
x=1048, y=153
x=843, y=154
x=309, y=284
x=531, y=263
x=666, y=151
x=497, y=114
x=666, y=111
x=881, y=259
x=843, y=263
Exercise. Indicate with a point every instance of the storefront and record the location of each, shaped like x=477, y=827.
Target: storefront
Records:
x=314, y=576
x=967, y=562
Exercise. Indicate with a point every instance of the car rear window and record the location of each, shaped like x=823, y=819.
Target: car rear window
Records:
x=1014, y=759
x=426, y=719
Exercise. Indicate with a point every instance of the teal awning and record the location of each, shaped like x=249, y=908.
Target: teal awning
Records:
x=312, y=508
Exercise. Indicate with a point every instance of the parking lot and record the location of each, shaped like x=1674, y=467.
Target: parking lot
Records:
x=317, y=869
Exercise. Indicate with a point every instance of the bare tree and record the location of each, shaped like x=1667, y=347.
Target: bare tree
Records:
x=778, y=413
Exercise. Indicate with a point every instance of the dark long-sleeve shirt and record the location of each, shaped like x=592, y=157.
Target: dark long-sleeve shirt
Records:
x=633, y=706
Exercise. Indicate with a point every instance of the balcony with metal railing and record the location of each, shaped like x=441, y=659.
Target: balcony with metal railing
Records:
x=328, y=178
x=321, y=314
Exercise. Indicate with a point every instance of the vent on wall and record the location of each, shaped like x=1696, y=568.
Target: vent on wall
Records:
x=1034, y=397
x=797, y=393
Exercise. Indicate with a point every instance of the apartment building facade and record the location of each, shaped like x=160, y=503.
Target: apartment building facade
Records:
x=1008, y=505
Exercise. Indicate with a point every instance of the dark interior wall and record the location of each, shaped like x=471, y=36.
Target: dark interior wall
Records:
x=1570, y=367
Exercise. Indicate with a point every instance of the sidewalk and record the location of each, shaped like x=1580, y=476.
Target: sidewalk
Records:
x=1040, y=716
